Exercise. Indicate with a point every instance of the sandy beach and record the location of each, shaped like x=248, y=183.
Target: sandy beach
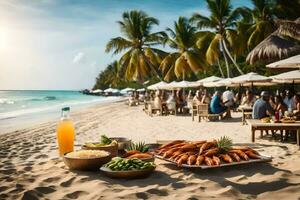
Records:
x=31, y=169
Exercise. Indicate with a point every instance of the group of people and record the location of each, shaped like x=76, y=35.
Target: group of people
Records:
x=282, y=103
x=223, y=102
x=218, y=102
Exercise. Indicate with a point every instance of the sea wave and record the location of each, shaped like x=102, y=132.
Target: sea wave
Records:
x=17, y=100
x=45, y=109
x=6, y=101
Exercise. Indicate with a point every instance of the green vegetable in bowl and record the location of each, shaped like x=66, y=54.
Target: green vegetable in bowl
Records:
x=121, y=164
x=105, y=140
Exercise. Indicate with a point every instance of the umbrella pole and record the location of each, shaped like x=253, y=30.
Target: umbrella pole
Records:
x=293, y=86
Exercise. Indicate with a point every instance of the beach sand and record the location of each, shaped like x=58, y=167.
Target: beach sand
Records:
x=30, y=167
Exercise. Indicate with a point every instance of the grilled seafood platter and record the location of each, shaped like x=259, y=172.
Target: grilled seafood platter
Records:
x=209, y=153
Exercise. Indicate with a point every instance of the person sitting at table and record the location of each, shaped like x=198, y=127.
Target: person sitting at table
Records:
x=197, y=98
x=217, y=106
x=189, y=99
x=289, y=101
x=157, y=100
x=180, y=101
x=205, y=97
x=190, y=95
x=297, y=110
x=262, y=107
x=248, y=100
x=171, y=102
x=238, y=99
x=279, y=105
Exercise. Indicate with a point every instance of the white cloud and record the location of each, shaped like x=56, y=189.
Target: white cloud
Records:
x=79, y=58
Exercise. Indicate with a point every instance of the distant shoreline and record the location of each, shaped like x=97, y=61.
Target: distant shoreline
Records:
x=12, y=124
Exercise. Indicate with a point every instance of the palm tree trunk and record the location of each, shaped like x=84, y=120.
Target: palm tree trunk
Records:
x=220, y=68
x=225, y=58
x=152, y=67
x=230, y=57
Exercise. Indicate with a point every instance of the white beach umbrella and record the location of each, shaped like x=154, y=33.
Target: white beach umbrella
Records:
x=209, y=79
x=108, y=90
x=287, y=77
x=141, y=90
x=97, y=91
x=210, y=84
x=183, y=84
x=126, y=90
x=157, y=86
x=289, y=63
x=226, y=82
x=115, y=91
x=250, y=78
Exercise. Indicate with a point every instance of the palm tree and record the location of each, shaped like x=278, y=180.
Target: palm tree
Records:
x=187, y=58
x=222, y=20
x=263, y=15
x=141, y=60
x=110, y=77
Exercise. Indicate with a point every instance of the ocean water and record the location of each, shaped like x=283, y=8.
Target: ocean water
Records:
x=23, y=108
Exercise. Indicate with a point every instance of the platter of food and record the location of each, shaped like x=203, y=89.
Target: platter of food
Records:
x=288, y=120
x=128, y=168
x=208, y=154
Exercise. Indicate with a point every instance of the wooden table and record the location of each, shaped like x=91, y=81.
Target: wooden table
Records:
x=256, y=124
x=246, y=110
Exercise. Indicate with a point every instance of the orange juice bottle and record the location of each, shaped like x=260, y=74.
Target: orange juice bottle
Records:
x=65, y=132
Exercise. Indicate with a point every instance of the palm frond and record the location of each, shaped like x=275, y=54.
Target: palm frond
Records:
x=117, y=44
x=212, y=53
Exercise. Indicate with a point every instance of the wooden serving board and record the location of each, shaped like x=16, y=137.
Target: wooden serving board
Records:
x=242, y=162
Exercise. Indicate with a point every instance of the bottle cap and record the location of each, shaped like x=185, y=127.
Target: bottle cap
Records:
x=66, y=109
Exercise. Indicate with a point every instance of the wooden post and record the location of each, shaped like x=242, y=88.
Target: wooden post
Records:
x=298, y=137
x=253, y=133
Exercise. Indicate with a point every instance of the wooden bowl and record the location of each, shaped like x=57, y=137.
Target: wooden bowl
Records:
x=123, y=142
x=86, y=164
x=130, y=174
x=112, y=149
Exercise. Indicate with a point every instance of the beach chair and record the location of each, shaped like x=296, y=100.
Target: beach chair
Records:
x=172, y=108
x=152, y=108
x=203, y=113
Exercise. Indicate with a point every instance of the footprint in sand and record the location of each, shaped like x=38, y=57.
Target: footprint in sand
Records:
x=3, y=196
x=31, y=195
x=76, y=194
x=41, y=156
x=67, y=183
x=51, y=179
x=3, y=188
x=45, y=190
x=141, y=195
x=27, y=168
x=157, y=192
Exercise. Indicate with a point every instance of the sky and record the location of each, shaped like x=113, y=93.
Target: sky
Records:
x=59, y=44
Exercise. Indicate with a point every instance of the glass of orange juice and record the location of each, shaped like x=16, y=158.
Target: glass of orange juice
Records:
x=65, y=132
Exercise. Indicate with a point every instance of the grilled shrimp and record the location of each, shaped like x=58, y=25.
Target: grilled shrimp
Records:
x=199, y=160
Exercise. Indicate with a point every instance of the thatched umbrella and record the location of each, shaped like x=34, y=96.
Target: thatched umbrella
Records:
x=289, y=28
x=273, y=48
